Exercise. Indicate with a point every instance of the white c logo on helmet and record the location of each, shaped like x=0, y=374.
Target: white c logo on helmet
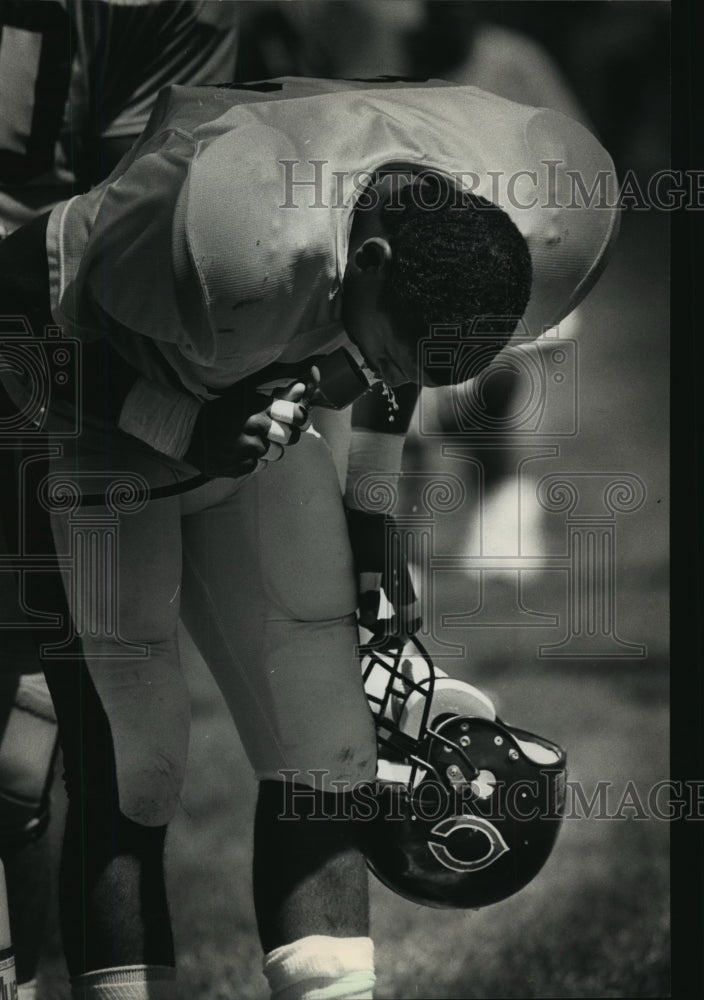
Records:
x=496, y=843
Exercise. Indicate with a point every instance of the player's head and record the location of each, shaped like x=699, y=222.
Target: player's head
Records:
x=412, y=267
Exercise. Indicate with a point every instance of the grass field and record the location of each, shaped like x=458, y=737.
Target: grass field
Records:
x=595, y=921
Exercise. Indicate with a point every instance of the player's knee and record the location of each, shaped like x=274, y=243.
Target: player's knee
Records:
x=27, y=750
x=150, y=796
x=305, y=550
x=128, y=755
x=139, y=778
x=152, y=623
x=336, y=766
x=146, y=797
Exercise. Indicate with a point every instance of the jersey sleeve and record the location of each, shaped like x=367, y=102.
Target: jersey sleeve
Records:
x=117, y=255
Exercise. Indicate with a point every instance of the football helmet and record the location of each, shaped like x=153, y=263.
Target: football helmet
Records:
x=466, y=807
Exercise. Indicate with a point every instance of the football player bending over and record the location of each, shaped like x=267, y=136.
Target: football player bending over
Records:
x=246, y=237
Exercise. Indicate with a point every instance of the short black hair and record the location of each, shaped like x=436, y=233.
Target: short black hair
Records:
x=463, y=263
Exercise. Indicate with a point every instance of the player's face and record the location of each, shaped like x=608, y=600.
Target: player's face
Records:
x=389, y=354
x=386, y=354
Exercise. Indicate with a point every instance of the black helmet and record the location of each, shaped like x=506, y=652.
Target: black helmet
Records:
x=467, y=808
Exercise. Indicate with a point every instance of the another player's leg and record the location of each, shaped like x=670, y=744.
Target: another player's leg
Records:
x=27, y=729
x=27, y=749
x=270, y=572
x=123, y=714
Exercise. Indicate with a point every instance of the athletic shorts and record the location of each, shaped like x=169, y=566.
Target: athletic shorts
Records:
x=261, y=572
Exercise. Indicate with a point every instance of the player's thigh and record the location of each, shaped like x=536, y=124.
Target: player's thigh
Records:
x=122, y=573
x=122, y=558
x=335, y=426
x=269, y=598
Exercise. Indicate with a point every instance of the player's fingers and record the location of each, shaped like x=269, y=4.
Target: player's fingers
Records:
x=250, y=446
x=294, y=392
x=274, y=452
x=295, y=436
x=267, y=430
x=279, y=433
x=302, y=417
x=285, y=411
x=258, y=423
x=247, y=466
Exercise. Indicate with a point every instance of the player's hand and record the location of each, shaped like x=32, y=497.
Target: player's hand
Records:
x=376, y=573
x=240, y=432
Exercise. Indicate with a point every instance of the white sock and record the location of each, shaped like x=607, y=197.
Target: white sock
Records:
x=322, y=968
x=28, y=990
x=126, y=982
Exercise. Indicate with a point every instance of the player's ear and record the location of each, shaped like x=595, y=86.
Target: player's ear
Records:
x=373, y=255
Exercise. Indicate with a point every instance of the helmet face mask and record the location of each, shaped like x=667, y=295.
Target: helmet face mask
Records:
x=467, y=807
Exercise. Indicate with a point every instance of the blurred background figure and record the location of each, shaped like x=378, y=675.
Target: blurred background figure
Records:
x=472, y=44
x=77, y=82
x=337, y=39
